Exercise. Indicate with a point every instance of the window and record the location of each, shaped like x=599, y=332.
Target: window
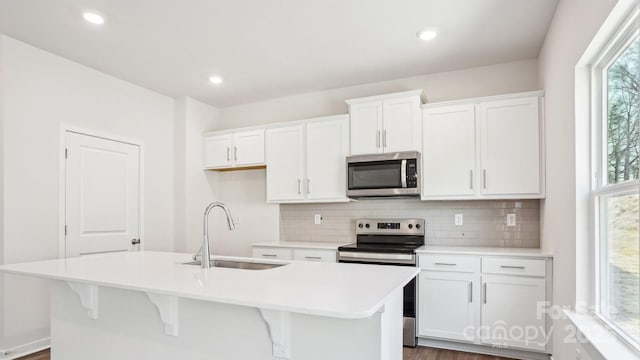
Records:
x=616, y=186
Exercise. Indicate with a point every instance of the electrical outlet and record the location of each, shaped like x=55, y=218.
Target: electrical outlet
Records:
x=511, y=219
x=458, y=219
x=317, y=219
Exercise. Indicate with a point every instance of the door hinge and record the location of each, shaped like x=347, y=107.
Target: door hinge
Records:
x=66, y=153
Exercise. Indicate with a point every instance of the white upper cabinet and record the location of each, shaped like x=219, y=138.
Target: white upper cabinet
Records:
x=386, y=123
x=449, y=133
x=285, y=163
x=487, y=148
x=327, y=145
x=217, y=151
x=237, y=149
x=510, y=142
x=366, y=125
x=306, y=162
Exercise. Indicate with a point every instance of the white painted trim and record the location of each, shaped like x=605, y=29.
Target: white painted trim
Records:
x=538, y=93
x=603, y=338
x=64, y=128
x=397, y=95
x=483, y=349
x=25, y=349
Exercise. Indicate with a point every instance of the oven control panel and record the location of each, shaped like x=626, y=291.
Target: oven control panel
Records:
x=390, y=226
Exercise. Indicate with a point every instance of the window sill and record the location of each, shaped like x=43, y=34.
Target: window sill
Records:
x=601, y=337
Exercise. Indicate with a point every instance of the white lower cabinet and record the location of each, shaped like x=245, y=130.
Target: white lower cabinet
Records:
x=447, y=305
x=497, y=304
x=510, y=316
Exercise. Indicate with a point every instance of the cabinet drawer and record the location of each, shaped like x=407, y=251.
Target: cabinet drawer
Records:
x=314, y=255
x=455, y=263
x=513, y=266
x=272, y=253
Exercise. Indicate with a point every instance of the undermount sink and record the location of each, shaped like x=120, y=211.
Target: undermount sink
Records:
x=246, y=265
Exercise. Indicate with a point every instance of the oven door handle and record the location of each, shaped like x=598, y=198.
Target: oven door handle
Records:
x=402, y=259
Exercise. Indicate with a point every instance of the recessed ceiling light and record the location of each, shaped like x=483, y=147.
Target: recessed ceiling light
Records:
x=93, y=18
x=427, y=35
x=216, y=80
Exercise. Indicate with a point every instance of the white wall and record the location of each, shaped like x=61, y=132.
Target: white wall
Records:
x=195, y=188
x=481, y=81
x=572, y=28
x=41, y=91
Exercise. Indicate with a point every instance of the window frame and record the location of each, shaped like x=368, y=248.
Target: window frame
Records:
x=600, y=189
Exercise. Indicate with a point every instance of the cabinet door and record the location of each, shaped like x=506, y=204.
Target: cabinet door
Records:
x=217, y=151
x=510, y=143
x=449, y=151
x=510, y=312
x=447, y=305
x=401, y=124
x=366, y=127
x=285, y=157
x=327, y=148
x=248, y=148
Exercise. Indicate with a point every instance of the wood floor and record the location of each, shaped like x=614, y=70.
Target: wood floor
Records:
x=418, y=353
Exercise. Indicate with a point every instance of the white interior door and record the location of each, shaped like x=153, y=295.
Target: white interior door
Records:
x=102, y=198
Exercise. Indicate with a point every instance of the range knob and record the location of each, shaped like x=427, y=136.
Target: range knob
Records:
x=417, y=226
x=360, y=226
x=367, y=226
x=410, y=226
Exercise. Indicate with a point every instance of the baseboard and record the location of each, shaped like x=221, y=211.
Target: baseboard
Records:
x=482, y=349
x=26, y=349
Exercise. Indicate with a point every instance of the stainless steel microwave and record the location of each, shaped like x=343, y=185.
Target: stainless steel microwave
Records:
x=379, y=175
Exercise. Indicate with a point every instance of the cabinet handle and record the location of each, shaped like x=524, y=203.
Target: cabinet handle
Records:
x=228, y=158
x=235, y=153
x=484, y=179
x=313, y=257
x=512, y=267
x=445, y=264
x=484, y=292
x=269, y=255
x=299, y=186
x=471, y=179
x=308, y=186
x=384, y=138
x=470, y=292
x=378, y=139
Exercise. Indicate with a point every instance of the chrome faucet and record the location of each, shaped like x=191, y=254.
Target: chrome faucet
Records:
x=204, y=253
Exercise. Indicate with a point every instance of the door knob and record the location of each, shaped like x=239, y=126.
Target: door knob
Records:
x=135, y=241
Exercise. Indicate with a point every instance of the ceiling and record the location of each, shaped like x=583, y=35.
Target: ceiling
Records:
x=271, y=48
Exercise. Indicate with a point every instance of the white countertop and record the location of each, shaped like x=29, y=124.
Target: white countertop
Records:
x=349, y=291
x=302, y=244
x=485, y=251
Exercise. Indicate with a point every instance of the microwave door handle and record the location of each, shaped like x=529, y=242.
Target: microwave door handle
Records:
x=403, y=173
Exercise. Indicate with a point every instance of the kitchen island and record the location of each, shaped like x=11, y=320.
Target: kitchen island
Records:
x=150, y=305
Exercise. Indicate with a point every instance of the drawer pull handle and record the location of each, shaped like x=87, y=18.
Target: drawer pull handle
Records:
x=512, y=267
x=269, y=255
x=470, y=292
x=445, y=264
x=313, y=257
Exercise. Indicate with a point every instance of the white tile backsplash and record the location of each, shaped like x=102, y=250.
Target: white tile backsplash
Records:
x=484, y=221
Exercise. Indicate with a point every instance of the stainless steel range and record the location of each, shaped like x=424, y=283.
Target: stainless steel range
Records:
x=389, y=242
